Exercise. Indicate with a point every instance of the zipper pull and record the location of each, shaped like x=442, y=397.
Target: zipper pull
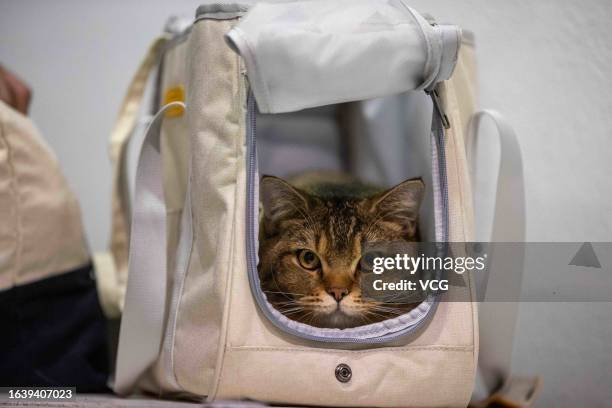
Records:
x=435, y=97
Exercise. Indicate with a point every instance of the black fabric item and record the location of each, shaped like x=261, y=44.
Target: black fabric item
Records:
x=53, y=333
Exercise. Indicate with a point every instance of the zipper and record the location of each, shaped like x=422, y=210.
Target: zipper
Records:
x=440, y=123
x=440, y=137
x=435, y=98
x=252, y=208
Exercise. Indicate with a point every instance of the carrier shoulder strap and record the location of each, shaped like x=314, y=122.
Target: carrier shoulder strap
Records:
x=111, y=266
x=145, y=300
x=509, y=218
x=499, y=318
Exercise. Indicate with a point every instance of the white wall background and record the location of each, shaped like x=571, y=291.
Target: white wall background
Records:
x=544, y=63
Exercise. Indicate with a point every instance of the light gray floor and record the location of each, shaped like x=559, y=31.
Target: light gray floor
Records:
x=111, y=401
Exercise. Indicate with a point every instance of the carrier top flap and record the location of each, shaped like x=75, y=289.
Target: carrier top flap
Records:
x=307, y=53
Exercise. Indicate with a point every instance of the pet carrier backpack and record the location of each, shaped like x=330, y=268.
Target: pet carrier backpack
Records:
x=369, y=87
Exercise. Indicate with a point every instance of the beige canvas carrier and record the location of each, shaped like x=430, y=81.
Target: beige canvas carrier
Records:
x=195, y=323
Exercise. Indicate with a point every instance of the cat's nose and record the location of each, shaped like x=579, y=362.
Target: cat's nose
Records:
x=338, y=293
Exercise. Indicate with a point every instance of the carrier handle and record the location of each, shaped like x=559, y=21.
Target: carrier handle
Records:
x=111, y=266
x=509, y=218
x=145, y=301
x=508, y=226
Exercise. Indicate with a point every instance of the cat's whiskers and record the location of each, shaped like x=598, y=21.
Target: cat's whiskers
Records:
x=287, y=304
x=277, y=285
x=375, y=314
x=387, y=310
x=306, y=304
x=313, y=299
x=292, y=312
x=313, y=315
x=283, y=293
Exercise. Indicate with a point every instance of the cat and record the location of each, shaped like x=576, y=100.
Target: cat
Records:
x=312, y=231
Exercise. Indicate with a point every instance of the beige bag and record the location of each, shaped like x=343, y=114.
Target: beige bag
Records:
x=196, y=323
x=41, y=234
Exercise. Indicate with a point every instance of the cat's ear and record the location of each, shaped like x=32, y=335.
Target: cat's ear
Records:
x=280, y=201
x=400, y=205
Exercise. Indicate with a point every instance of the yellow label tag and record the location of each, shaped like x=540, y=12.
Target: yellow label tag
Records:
x=174, y=94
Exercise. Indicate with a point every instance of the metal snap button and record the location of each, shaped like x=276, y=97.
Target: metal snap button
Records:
x=343, y=373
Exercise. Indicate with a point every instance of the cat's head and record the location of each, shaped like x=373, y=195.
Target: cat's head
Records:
x=311, y=247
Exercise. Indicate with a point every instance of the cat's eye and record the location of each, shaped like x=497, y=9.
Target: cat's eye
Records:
x=308, y=259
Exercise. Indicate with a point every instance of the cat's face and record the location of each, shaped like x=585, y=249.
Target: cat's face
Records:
x=311, y=247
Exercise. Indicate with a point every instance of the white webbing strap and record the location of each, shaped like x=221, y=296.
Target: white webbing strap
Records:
x=509, y=221
x=145, y=301
x=111, y=268
x=497, y=319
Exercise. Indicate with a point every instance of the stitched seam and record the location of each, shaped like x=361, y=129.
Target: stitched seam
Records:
x=172, y=358
x=428, y=61
x=461, y=184
x=351, y=352
x=237, y=144
x=257, y=73
x=374, y=24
